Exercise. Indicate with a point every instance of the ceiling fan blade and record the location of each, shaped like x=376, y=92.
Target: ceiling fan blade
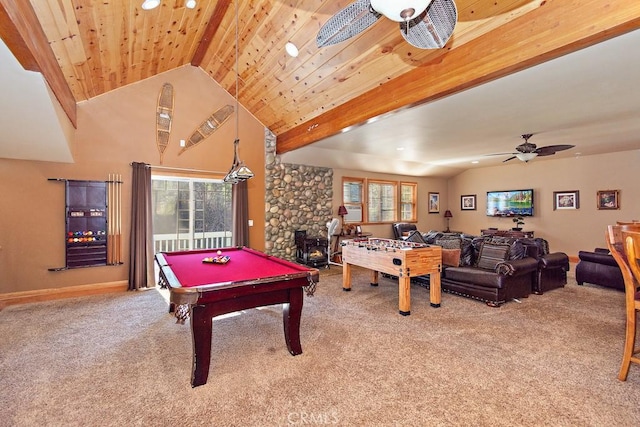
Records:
x=552, y=149
x=347, y=23
x=501, y=154
x=510, y=158
x=433, y=28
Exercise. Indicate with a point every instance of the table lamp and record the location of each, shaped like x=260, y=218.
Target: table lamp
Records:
x=448, y=215
x=342, y=211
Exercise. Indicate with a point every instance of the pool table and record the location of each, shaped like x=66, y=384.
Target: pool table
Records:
x=249, y=279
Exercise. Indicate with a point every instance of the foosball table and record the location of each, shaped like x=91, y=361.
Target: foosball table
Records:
x=396, y=258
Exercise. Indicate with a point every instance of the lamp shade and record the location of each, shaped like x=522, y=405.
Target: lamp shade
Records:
x=342, y=210
x=448, y=214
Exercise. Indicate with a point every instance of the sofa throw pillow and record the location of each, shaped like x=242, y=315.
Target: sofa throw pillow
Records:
x=466, y=255
x=491, y=254
x=449, y=243
x=415, y=237
x=451, y=257
x=431, y=236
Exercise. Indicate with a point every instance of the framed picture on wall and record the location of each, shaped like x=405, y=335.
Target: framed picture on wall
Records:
x=468, y=202
x=434, y=202
x=566, y=200
x=608, y=199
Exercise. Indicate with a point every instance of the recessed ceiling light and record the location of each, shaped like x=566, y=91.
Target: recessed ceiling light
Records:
x=291, y=49
x=475, y=161
x=150, y=4
x=190, y=4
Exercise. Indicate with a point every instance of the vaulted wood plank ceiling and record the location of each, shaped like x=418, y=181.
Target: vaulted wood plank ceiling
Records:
x=101, y=46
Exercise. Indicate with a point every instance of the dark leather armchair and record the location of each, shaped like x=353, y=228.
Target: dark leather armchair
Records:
x=402, y=229
x=599, y=268
x=552, y=267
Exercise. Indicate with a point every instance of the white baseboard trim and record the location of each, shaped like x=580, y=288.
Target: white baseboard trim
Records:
x=38, y=295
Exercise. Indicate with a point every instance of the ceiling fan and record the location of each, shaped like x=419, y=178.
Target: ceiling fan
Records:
x=425, y=24
x=528, y=150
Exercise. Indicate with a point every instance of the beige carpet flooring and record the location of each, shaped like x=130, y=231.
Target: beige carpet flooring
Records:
x=121, y=360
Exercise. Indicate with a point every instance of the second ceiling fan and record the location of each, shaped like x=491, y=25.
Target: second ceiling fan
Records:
x=528, y=150
x=425, y=24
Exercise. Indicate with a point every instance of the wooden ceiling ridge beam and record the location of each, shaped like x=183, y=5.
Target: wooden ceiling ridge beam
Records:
x=210, y=31
x=24, y=36
x=550, y=31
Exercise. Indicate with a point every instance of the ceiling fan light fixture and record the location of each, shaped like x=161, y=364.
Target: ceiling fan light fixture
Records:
x=400, y=10
x=525, y=157
x=150, y=4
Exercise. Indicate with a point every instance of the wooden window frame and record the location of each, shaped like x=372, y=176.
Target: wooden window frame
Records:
x=363, y=206
x=414, y=201
x=396, y=189
x=355, y=205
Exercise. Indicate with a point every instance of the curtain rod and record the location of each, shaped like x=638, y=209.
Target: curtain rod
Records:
x=180, y=169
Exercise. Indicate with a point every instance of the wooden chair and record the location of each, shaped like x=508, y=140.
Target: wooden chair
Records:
x=615, y=243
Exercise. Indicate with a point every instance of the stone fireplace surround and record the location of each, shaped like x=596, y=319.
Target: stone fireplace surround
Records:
x=297, y=197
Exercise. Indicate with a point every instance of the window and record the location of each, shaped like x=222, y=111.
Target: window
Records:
x=352, y=199
x=381, y=201
x=408, y=202
x=386, y=201
x=190, y=213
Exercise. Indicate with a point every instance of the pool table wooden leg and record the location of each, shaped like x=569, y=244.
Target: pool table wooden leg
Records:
x=201, y=328
x=291, y=314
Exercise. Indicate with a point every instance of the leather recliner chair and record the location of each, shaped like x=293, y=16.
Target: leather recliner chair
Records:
x=599, y=268
x=402, y=229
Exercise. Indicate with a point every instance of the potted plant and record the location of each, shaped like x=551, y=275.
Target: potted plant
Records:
x=519, y=223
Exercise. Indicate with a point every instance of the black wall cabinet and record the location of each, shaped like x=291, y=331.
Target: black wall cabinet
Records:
x=86, y=223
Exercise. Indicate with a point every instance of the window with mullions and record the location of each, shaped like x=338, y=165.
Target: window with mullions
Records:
x=381, y=201
x=408, y=203
x=352, y=195
x=190, y=213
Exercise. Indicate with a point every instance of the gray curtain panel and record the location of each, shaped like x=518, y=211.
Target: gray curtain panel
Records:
x=240, y=214
x=141, y=245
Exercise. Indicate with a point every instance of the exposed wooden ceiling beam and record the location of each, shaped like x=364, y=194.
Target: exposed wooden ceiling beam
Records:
x=210, y=31
x=552, y=30
x=23, y=35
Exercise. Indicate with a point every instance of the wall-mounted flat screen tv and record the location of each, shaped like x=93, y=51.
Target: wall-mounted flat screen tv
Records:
x=510, y=203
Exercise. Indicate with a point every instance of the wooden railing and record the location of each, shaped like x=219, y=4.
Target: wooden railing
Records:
x=183, y=242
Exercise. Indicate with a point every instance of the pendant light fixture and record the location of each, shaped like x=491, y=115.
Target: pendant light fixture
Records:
x=239, y=171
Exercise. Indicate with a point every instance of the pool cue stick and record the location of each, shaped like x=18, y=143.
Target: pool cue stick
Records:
x=119, y=220
x=109, y=220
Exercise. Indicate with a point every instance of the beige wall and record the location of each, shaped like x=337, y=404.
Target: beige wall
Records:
x=567, y=231
x=114, y=130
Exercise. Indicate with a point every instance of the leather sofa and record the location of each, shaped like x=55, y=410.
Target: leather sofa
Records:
x=599, y=268
x=494, y=280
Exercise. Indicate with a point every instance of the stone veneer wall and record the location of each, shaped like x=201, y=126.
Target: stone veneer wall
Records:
x=297, y=197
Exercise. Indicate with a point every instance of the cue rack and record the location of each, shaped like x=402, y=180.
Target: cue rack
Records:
x=114, y=222
x=93, y=222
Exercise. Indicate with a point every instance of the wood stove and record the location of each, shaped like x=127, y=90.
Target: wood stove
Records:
x=310, y=250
